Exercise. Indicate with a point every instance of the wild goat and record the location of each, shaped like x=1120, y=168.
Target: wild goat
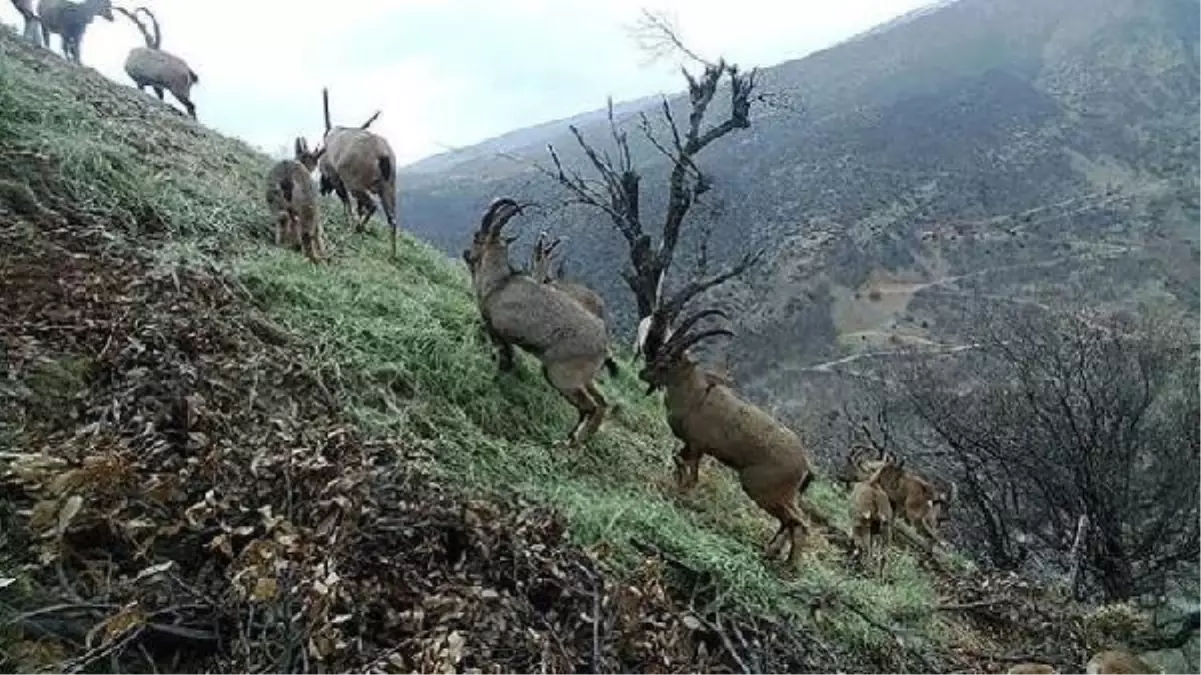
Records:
x=150, y=66
x=1114, y=661
x=293, y=200
x=358, y=162
x=912, y=496
x=32, y=30
x=570, y=341
x=540, y=269
x=70, y=20
x=1031, y=668
x=703, y=412
x=871, y=519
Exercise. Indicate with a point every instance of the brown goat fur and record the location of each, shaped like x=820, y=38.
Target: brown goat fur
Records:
x=1031, y=668
x=70, y=20
x=912, y=496
x=710, y=419
x=293, y=201
x=1116, y=661
x=540, y=270
x=152, y=67
x=358, y=163
x=871, y=519
x=570, y=341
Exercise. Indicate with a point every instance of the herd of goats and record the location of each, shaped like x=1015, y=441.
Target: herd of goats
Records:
x=563, y=324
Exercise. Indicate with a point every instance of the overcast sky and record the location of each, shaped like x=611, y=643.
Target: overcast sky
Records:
x=448, y=72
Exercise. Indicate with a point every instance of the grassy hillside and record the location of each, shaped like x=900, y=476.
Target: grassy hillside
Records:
x=219, y=456
x=987, y=151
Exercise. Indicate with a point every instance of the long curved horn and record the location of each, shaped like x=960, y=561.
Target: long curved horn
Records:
x=490, y=212
x=506, y=210
x=679, y=347
x=325, y=108
x=692, y=319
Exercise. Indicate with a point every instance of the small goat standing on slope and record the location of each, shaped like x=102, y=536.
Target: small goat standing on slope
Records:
x=703, y=412
x=871, y=518
x=150, y=66
x=359, y=163
x=570, y=341
x=33, y=26
x=293, y=200
x=70, y=20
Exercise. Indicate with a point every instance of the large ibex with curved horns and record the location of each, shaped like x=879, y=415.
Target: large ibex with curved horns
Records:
x=540, y=268
x=570, y=341
x=705, y=413
x=152, y=67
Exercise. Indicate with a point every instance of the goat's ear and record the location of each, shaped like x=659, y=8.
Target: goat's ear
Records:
x=509, y=239
x=320, y=151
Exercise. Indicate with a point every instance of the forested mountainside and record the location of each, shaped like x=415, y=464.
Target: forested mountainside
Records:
x=1030, y=151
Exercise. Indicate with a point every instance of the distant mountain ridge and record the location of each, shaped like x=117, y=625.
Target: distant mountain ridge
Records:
x=1040, y=151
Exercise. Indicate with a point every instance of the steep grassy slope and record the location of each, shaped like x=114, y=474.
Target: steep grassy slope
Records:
x=137, y=261
x=987, y=151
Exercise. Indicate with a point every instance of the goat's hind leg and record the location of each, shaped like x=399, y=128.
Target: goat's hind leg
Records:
x=564, y=378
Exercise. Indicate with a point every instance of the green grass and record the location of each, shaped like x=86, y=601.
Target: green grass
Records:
x=401, y=342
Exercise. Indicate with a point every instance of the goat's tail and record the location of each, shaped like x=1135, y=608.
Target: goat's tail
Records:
x=385, y=167
x=611, y=366
x=192, y=74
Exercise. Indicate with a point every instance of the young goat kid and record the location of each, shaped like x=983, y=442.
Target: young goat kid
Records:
x=70, y=21
x=1115, y=661
x=150, y=66
x=570, y=341
x=359, y=163
x=33, y=27
x=540, y=269
x=871, y=519
x=703, y=412
x=293, y=200
x=911, y=496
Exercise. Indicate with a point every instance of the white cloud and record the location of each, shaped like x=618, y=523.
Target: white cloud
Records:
x=447, y=72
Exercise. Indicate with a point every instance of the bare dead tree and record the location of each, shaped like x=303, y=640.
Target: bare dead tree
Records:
x=618, y=191
x=1063, y=415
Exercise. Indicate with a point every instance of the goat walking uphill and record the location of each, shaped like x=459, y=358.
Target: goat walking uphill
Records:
x=540, y=269
x=70, y=21
x=32, y=30
x=871, y=519
x=150, y=66
x=570, y=341
x=705, y=413
x=359, y=163
x=293, y=201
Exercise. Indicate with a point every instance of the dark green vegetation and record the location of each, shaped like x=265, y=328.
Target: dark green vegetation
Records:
x=203, y=434
x=1032, y=151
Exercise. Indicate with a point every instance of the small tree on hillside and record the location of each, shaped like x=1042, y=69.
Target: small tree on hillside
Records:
x=1065, y=423
x=619, y=190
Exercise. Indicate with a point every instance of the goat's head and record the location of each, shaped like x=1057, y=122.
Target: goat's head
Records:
x=941, y=502
x=664, y=356
x=858, y=464
x=487, y=239
x=540, y=258
x=102, y=8
x=307, y=157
